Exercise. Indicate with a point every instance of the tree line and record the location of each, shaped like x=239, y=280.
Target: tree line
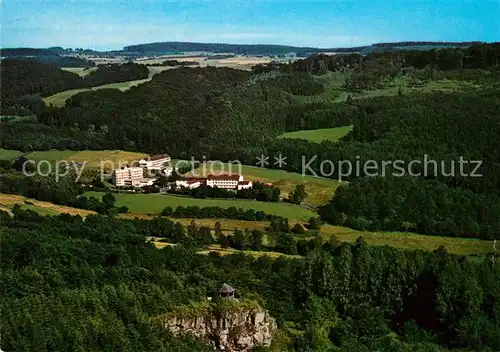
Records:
x=216, y=212
x=259, y=191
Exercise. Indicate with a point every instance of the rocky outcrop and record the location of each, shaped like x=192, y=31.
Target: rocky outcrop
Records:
x=232, y=326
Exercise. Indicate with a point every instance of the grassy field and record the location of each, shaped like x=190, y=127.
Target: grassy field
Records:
x=229, y=251
x=157, y=69
x=50, y=155
x=413, y=241
x=319, y=135
x=335, y=91
x=7, y=201
x=81, y=71
x=60, y=98
x=410, y=241
x=110, y=159
x=320, y=190
x=154, y=204
x=227, y=225
x=6, y=154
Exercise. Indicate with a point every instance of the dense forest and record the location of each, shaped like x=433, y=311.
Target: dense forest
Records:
x=114, y=73
x=23, y=77
x=379, y=65
x=70, y=284
x=24, y=81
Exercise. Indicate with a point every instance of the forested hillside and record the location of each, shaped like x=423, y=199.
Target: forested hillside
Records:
x=380, y=65
x=96, y=284
x=263, y=49
x=114, y=73
x=23, y=77
x=198, y=106
x=24, y=81
x=227, y=114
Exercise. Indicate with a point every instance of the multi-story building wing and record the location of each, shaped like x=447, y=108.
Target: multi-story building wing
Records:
x=128, y=176
x=224, y=181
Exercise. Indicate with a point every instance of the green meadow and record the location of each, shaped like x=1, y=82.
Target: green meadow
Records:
x=6, y=154
x=60, y=98
x=154, y=203
x=319, y=135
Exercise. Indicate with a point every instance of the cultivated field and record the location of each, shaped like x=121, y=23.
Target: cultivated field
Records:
x=320, y=190
x=154, y=204
x=319, y=135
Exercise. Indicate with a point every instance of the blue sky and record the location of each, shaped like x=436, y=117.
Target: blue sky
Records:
x=112, y=24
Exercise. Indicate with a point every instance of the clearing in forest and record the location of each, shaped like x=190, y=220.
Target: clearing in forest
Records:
x=320, y=135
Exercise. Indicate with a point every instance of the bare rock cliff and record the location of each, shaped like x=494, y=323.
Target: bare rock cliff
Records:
x=230, y=326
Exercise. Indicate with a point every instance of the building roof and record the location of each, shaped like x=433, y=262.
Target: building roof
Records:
x=126, y=168
x=226, y=289
x=244, y=182
x=158, y=157
x=191, y=179
x=223, y=177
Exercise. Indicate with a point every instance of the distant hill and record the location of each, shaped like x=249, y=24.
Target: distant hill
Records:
x=9, y=52
x=55, y=56
x=61, y=57
x=249, y=49
x=269, y=49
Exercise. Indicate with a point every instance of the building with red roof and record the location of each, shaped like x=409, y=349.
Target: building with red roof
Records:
x=225, y=181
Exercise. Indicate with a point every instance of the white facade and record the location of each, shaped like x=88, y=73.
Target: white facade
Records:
x=147, y=182
x=168, y=171
x=187, y=183
x=128, y=176
x=245, y=185
x=224, y=181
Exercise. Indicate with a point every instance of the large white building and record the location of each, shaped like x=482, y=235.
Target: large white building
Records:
x=155, y=162
x=235, y=182
x=128, y=176
x=224, y=181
